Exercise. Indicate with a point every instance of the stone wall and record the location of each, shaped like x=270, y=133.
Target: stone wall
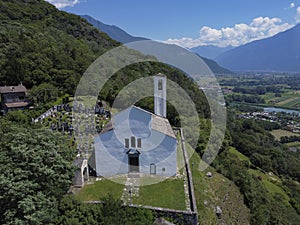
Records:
x=189, y=175
x=181, y=217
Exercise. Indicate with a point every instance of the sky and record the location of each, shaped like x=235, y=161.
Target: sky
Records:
x=192, y=23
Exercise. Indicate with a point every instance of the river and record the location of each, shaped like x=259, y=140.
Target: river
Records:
x=275, y=109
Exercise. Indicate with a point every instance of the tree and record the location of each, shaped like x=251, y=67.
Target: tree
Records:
x=43, y=93
x=36, y=171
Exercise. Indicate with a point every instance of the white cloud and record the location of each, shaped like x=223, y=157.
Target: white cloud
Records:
x=292, y=5
x=63, y=3
x=259, y=28
x=297, y=17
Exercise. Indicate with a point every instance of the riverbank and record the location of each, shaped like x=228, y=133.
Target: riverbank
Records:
x=268, y=106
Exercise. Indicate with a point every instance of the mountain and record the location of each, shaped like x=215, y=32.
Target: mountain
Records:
x=120, y=35
x=41, y=44
x=210, y=51
x=114, y=32
x=215, y=67
x=280, y=53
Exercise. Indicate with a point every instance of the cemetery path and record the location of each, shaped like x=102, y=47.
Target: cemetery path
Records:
x=131, y=190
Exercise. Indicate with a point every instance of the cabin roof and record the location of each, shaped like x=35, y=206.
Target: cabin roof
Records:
x=16, y=104
x=12, y=89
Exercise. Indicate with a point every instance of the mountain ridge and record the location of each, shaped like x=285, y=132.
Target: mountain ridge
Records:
x=122, y=36
x=279, y=53
x=210, y=51
x=113, y=31
x=214, y=66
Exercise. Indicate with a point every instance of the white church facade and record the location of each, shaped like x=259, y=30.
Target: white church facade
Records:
x=138, y=141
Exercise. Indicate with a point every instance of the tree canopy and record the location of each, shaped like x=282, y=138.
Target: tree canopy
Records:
x=40, y=44
x=36, y=171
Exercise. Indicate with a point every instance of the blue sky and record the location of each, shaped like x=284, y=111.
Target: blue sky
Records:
x=193, y=22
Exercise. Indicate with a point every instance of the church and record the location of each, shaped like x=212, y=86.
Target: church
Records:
x=138, y=141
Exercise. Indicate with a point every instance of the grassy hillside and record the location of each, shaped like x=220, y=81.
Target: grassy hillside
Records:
x=214, y=191
x=264, y=170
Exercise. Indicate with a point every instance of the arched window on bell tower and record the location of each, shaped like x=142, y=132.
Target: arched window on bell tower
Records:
x=160, y=85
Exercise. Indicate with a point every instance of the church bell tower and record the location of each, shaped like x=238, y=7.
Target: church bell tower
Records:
x=160, y=95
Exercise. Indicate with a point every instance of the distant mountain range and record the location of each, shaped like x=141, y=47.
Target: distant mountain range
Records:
x=122, y=36
x=114, y=32
x=280, y=53
x=210, y=51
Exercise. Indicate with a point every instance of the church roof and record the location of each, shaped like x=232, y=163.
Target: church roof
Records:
x=155, y=122
x=162, y=125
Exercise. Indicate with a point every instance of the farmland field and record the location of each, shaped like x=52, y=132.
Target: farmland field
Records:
x=281, y=133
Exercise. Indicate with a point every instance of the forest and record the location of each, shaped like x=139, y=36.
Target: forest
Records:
x=40, y=44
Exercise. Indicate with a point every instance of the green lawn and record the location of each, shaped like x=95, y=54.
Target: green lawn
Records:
x=166, y=194
x=99, y=189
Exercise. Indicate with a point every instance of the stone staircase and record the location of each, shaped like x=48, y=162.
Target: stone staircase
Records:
x=132, y=187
